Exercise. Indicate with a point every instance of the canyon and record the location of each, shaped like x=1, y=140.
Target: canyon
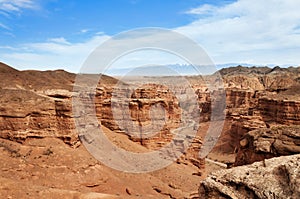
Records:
x=42, y=153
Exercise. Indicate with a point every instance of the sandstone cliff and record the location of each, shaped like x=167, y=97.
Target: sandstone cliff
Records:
x=257, y=97
x=265, y=143
x=37, y=104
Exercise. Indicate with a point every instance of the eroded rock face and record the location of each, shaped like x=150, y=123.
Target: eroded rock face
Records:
x=265, y=143
x=273, y=178
x=150, y=109
x=38, y=104
x=280, y=111
x=258, y=98
x=26, y=114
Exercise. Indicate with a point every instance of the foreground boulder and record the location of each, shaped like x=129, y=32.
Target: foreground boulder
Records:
x=265, y=143
x=272, y=178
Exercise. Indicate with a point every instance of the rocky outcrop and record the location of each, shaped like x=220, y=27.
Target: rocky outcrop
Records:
x=25, y=114
x=38, y=104
x=273, y=178
x=150, y=109
x=279, y=111
x=258, y=98
x=239, y=126
x=265, y=143
x=260, y=78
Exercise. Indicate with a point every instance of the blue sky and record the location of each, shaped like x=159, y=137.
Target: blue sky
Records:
x=50, y=34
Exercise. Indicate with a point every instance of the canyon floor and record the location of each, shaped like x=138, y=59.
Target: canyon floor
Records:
x=42, y=155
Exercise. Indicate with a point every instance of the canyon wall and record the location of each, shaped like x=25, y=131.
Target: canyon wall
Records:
x=38, y=104
x=262, y=121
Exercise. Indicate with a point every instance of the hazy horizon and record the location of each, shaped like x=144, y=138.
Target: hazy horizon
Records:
x=163, y=70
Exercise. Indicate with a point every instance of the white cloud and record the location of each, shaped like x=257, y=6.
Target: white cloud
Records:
x=8, y=7
x=100, y=33
x=59, y=40
x=4, y=26
x=61, y=53
x=53, y=54
x=8, y=48
x=204, y=9
x=16, y=5
x=262, y=31
x=84, y=30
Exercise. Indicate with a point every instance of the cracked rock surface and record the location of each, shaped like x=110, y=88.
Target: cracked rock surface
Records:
x=272, y=178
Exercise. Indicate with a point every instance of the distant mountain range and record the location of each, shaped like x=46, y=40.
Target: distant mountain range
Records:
x=176, y=69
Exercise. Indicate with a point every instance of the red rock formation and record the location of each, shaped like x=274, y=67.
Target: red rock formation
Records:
x=25, y=114
x=265, y=143
x=279, y=111
x=38, y=104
